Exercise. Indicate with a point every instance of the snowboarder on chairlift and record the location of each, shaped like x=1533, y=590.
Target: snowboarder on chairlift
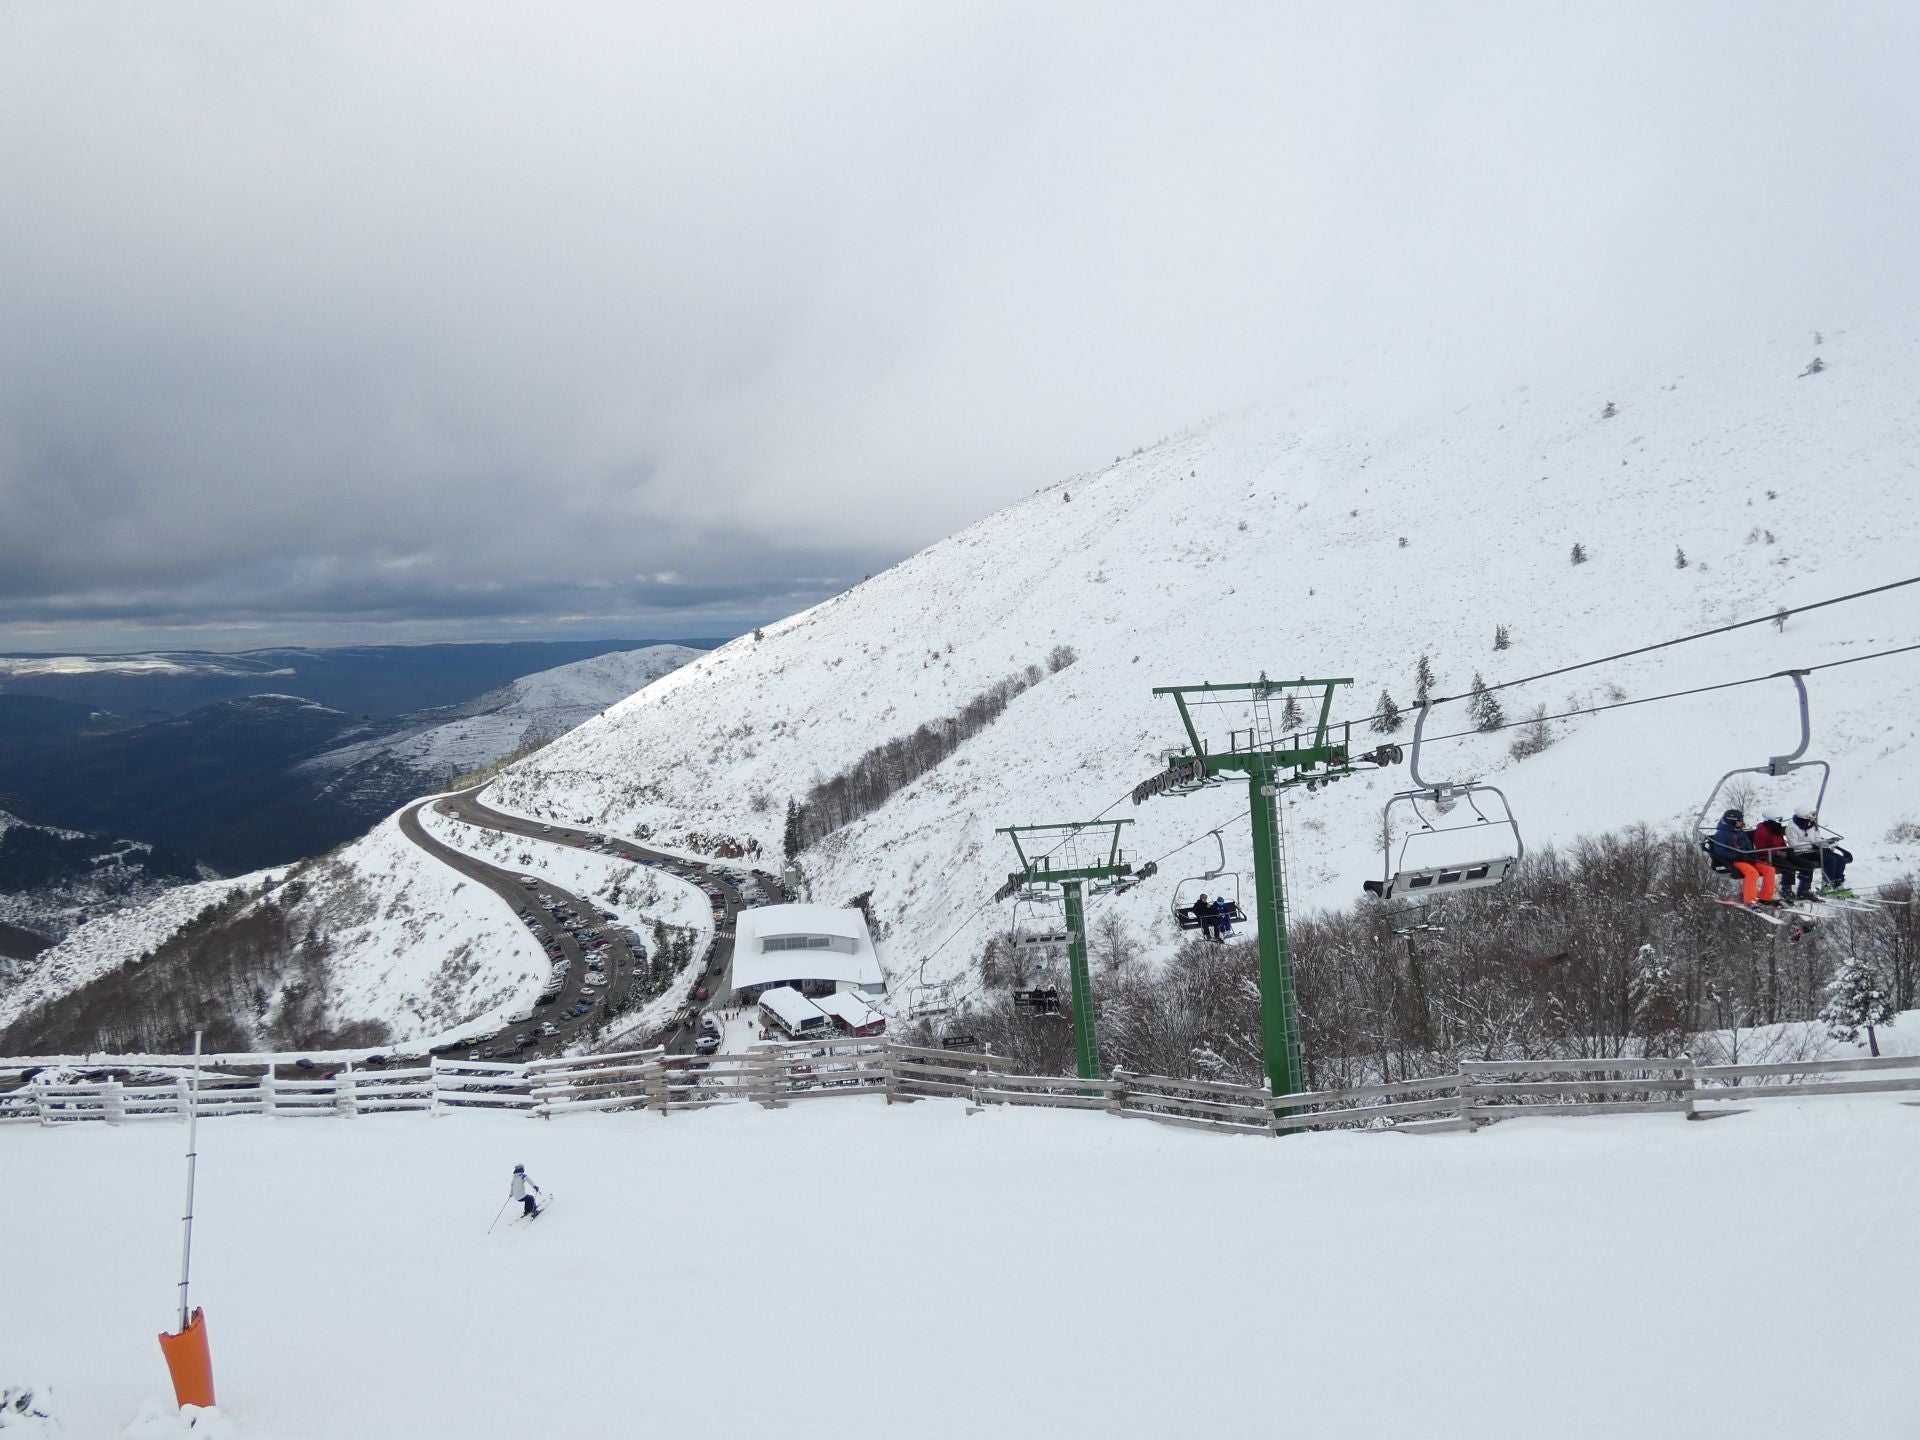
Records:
x=1732, y=846
x=525, y=1191
x=1813, y=847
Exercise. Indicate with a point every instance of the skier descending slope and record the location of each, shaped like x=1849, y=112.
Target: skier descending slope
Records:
x=525, y=1191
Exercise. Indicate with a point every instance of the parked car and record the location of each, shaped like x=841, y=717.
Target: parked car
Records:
x=548, y=1028
x=706, y=1045
x=520, y=1017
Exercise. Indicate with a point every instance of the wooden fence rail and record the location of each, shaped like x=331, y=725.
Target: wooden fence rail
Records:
x=773, y=1075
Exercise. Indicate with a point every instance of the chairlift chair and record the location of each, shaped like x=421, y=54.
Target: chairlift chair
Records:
x=1776, y=767
x=1399, y=878
x=1187, y=892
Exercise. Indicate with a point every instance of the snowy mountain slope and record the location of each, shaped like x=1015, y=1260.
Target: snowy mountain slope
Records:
x=1272, y=541
x=460, y=738
x=110, y=940
x=52, y=879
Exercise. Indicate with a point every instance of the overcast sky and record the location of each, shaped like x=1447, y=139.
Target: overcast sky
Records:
x=340, y=322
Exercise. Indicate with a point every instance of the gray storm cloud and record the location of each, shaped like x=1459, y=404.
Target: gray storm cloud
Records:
x=442, y=316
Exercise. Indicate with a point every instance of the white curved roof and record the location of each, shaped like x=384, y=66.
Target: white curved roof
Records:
x=851, y=962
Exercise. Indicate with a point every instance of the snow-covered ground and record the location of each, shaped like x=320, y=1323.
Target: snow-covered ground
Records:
x=846, y=1269
x=1336, y=532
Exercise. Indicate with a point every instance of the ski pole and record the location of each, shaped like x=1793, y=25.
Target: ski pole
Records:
x=498, y=1213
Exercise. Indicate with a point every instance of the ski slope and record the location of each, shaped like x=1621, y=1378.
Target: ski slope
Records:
x=1341, y=531
x=852, y=1269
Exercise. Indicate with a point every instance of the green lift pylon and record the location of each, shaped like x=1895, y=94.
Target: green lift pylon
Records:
x=1068, y=855
x=1274, y=756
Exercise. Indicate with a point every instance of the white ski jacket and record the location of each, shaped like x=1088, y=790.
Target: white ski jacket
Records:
x=1803, y=839
x=522, y=1183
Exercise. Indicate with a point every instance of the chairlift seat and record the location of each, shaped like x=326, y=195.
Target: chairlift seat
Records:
x=1048, y=937
x=1451, y=879
x=1229, y=911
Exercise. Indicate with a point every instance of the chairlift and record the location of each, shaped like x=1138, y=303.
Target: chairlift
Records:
x=1776, y=767
x=1188, y=891
x=1040, y=1001
x=1402, y=878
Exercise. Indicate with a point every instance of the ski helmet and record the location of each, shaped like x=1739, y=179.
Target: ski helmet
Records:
x=519, y=1169
x=1734, y=816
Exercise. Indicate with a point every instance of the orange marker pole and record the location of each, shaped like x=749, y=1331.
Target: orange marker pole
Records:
x=188, y=1359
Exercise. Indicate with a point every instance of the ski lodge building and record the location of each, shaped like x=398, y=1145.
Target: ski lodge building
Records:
x=817, y=949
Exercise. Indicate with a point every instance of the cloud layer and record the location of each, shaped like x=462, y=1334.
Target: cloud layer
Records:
x=359, y=319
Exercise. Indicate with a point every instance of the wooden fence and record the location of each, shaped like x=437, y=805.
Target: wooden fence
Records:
x=125, y=1090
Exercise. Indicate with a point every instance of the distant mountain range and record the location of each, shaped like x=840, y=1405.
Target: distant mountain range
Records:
x=259, y=778
x=363, y=680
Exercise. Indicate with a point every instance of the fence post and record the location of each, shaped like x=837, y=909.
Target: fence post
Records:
x=344, y=1099
x=973, y=1082
x=433, y=1085
x=764, y=1084
x=113, y=1103
x=889, y=1077
x=182, y=1098
x=654, y=1081
x=266, y=1091
x=1465, y=1085
x=1691, y=1074
x=1117, y=1097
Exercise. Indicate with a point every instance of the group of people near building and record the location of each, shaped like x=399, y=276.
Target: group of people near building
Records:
x=1777, y=859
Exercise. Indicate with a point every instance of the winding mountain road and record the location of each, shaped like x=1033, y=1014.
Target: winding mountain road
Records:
x=679, y=1033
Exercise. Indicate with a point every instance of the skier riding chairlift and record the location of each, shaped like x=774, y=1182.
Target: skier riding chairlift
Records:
x=1213, y=918
x=1730, y=848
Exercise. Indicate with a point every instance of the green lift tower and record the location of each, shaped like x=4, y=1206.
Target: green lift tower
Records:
x=1068, y=855
x=1275, y=753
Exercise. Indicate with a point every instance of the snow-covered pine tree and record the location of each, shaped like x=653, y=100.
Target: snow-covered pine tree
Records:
x=1501, y=639
x=1422, y=681
x=1486, y=711
x=1579, y=554
x=1857, y=1000
x=792, y=842
x=1290, y=717
x=1679, y=558
x=1386, y=715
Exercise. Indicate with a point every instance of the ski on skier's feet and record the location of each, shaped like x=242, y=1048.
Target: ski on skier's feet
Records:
x=1758, y=912
x=546, y=1204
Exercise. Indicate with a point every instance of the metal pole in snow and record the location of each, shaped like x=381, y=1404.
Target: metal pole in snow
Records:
x=193, y=1123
